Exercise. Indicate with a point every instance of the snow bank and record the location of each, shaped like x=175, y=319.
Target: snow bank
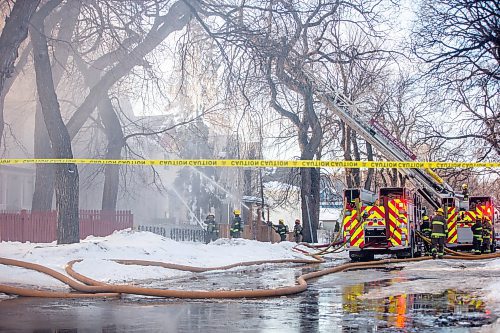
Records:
x=128, y=244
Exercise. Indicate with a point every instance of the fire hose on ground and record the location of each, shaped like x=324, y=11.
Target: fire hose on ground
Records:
x=89, y=288
x=461, y=254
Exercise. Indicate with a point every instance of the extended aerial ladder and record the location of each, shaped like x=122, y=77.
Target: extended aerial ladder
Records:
x=428, y=184
x=432, y=188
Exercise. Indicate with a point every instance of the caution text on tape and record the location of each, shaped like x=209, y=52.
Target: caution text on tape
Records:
x=262, y=163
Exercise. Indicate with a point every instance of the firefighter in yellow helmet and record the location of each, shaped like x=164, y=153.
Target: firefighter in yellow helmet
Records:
x=281, y=229
x=236, y=225
x=487, y=232
x=465, y=191
x=438, y=234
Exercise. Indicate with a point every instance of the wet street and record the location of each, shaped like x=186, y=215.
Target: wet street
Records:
x=331, y=304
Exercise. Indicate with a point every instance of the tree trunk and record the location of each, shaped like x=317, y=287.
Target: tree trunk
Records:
x=356, y=174
x=45, y=173
x=114, y=135
x=346, y=145
x=310, y=135
x=385, y=183
x=371, y=171
x=23, y=60
x=393, y=173
x=309, y=191
x=66, y=174
x=13, y=34
x=309, y=195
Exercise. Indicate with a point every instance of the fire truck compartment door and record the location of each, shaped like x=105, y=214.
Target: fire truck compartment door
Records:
x=464, y=235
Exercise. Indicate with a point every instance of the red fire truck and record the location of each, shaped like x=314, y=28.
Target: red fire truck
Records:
x=383, y=224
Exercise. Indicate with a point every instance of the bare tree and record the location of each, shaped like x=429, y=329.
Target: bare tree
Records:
x=13, y=34
x=65, y=20
x=460, y=40
x=66, y=174
x=279, y=43
x=109, y=67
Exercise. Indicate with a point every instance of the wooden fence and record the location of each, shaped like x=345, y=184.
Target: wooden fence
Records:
x=41, y=227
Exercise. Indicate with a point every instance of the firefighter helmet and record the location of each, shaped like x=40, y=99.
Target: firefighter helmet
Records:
x=236, y=212
x=281, y=221
x=210, y=215
x=440, y=211
x=425, y=218
x=464, y=186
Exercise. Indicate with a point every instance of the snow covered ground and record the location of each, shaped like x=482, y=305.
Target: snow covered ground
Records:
x=129, y=244
x=481, y=278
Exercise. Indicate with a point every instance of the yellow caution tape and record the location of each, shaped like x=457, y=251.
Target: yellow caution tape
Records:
x=261, y=163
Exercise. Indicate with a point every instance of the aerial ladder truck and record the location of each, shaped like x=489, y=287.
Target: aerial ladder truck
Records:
x=387, y=223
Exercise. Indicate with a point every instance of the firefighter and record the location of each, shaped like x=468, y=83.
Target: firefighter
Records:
x=487, y=235
x=281, y=229
x=426, y=230
x=236, y=225
x=465, y=191
x=211, y=228
x=438, y=233
x=477, y=236
x=297, y=231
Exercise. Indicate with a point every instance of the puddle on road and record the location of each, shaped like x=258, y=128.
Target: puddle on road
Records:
x=329, y=305
x=411, y=312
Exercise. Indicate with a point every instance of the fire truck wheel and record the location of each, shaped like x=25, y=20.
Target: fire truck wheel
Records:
x=403, y=254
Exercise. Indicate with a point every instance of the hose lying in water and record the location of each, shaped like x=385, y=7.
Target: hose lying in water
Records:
x=94, y=288
x=195, y=294
x=100, y=288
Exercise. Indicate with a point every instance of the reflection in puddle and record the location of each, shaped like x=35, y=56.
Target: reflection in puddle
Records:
x=327, y=306
x=409, y=312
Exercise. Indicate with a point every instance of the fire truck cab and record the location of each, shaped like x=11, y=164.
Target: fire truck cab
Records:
x=382, y=225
